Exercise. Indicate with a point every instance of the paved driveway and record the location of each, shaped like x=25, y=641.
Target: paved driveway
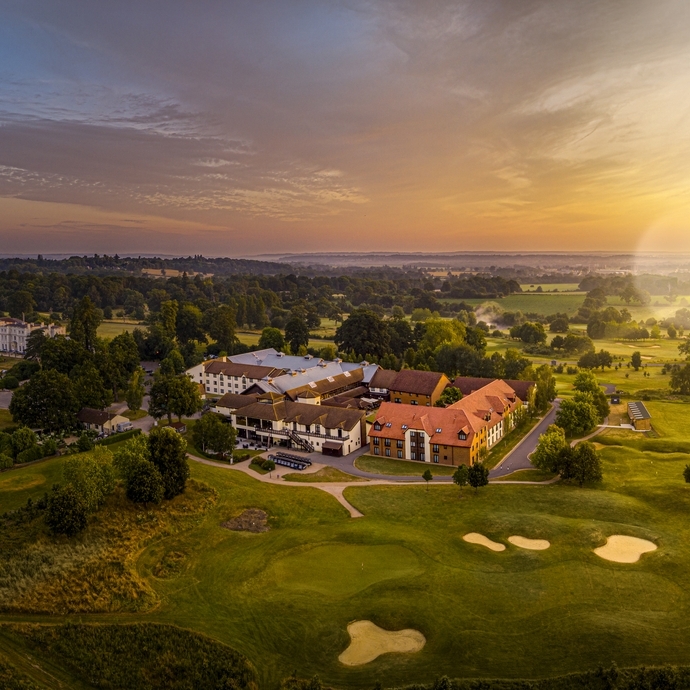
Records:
x=5, y=397
x=518, y=458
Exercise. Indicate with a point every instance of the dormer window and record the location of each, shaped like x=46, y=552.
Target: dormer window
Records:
x=377, y=426
x=462, y=436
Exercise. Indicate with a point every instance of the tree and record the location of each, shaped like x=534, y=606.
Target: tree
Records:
x=577, y=417
x=686, y=474
x=271, y=337
x=545, y=388
x=461, y=477
x=478, y=475
x=558, y=342
x=20, y=303
x=220, y=325
x=173, y=364
x=134, y=450
x=550, y=444
x=167, y=317
x=636, y=360
x=34, y=345
x=92, y=476
x=144, y=483
x=439, y=332
x=585, y=465
x=212, y=433
x=529, y=332
x=66, y=513
x=84, y=323
x=62, y=354
x=189, y=325
x=427, y=477
x=364, y=332
x=89, y=389
x=296, y=333
x=680, y=380
x=559, y=324
x=672, y=332
x=184, y=399
x=269, y=466
x=134, y=395
x=168, y=453
x=586, y=382
x=47, y=401
x=449, y=396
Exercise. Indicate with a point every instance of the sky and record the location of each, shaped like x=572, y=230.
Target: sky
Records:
x=241, y=128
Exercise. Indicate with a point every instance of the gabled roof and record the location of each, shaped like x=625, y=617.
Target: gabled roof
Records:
x=419, y=382
x=250, y=371
x=87, y=415
x=470, y=384
x=328, y=384
x=638, y=410
x=383, y=378
x=441, y=425
x=233, y=401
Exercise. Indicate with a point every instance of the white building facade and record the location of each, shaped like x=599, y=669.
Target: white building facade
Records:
x=14, y=333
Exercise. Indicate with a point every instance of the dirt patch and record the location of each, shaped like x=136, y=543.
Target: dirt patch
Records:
x=368, y=642
x=475, y=538
x=251, y=520
x=622, y=549
x=531, y=544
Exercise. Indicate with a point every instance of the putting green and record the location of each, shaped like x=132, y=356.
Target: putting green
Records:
x=339, y=570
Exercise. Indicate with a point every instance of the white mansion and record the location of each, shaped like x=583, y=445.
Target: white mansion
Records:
x=14, y=333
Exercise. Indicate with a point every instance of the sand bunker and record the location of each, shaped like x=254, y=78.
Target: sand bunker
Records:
x=368, y=641
x=531, y=544
x=251, y=520
x=623, y=549
x=475, y=538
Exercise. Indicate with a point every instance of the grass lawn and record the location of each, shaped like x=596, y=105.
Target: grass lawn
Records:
x=284, y=597
x=110, y=329
x=5, y=419
x=19, y=484
x=133, y=415
x=412, y=468
x=526, y=476
x=257, y=468
x=325, y=474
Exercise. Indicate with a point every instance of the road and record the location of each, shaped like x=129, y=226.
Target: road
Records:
x=518, y=458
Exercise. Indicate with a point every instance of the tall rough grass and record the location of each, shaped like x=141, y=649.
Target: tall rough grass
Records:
x=139, y=656
x=93, y=572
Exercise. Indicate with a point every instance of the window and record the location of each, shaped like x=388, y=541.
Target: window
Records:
x=414, y=455
x=435, y=458
x=445, y=457
x=398, y=400
x=388, y=452
x=387, y=442
x=435, y=448
x=400, y=454
x=413, y=402
x=376, y=440
x=421, y=434
x=400, y=444
x=389, y=425
x=377, y=426
x=462, y=436
x=377, y=451
x=404, y=426
x=421, y=457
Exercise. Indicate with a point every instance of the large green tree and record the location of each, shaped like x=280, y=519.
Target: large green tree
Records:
x=168, y=452
x=212, y=433
x=220, y=325
x=365, y=333
x=47, y=401
x=577, y=417
x=144, y=483
x=84, y=324
x=92, y=475
x=680, y=380
x=271, y=337
x=134, y=395
x=478, y=475
x=546, y=388
x=189, y=326
x=549, y=446
x=297, y=333
x=89, y=388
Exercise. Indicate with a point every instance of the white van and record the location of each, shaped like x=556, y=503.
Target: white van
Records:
x=124, y=426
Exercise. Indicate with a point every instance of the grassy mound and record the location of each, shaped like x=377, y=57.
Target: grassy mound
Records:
x=128, y=657
x=93, y=572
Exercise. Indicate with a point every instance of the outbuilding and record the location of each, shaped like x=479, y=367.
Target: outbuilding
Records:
x=639, y=416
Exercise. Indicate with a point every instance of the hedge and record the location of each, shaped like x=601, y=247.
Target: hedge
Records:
x=29, y=455
x=116, y=438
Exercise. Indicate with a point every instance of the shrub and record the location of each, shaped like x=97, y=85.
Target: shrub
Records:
x=84, y=443
x=10, y=382
x=6, y=461
x=144, y=483
x=116, y=438
x=66, y=512
x=22, y=439
x=50, y=447
x=30, y=454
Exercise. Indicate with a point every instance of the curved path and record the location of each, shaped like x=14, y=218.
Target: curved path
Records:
x=518, y=458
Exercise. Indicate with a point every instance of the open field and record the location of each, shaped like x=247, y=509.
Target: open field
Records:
x=5, y=419
x=552, y=287
x=110, y=329
x=411, y=468
x=285, y=597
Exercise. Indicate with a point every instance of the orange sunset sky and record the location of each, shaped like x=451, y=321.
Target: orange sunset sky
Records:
x=240, y=128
